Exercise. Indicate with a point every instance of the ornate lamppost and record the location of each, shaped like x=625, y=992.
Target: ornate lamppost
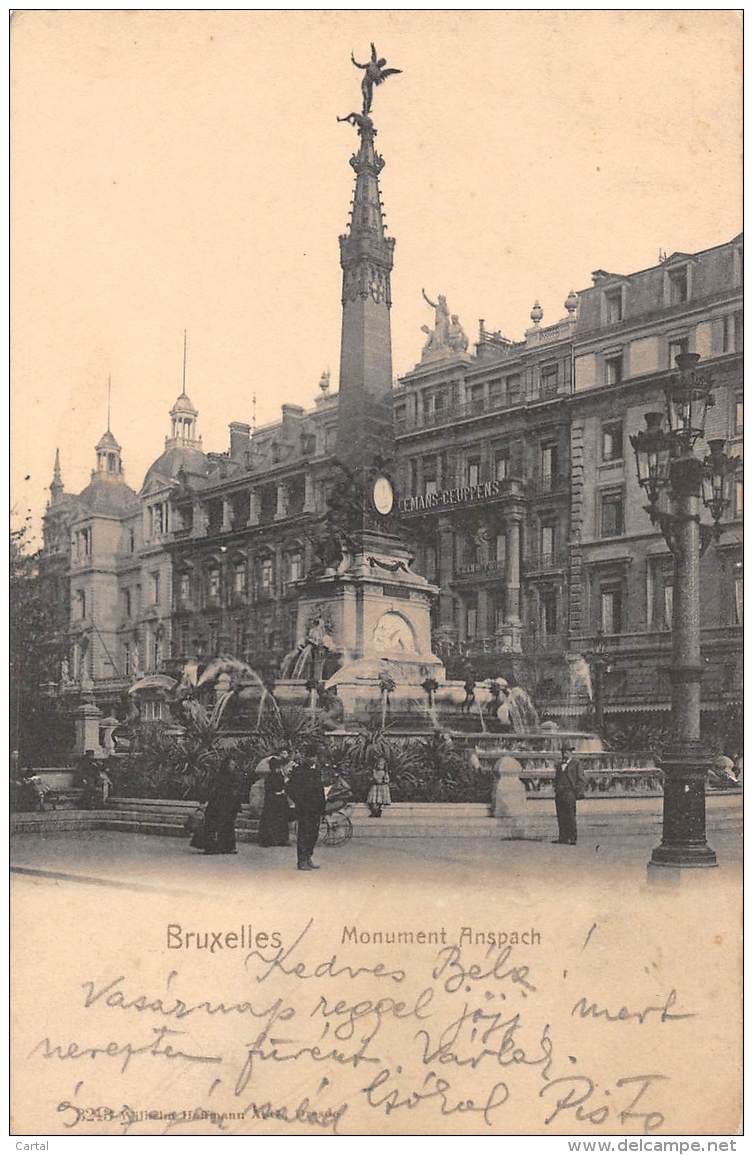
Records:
x=668, y=467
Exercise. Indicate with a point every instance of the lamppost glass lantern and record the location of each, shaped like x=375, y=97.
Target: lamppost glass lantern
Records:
x=652, y=447
x=718, y=471
x=688, y=397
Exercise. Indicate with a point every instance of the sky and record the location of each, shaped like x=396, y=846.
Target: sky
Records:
x=185, y=170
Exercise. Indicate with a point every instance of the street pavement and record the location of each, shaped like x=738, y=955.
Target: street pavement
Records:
x=137, y=861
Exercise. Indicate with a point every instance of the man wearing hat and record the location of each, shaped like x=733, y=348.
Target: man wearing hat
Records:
x=306, y=789
x=569, y=786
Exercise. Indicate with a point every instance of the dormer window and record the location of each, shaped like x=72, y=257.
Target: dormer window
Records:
x=613, y=306
x=677, y=285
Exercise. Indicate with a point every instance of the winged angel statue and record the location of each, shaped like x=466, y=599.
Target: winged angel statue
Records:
x=374, y=72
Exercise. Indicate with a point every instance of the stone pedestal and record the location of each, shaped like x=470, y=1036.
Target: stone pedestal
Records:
x=87, y=718
x=509, y=805
x=377, y=614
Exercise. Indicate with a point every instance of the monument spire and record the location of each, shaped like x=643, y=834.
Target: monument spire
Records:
x=363, y=582
x=364, y=433
x=56, y=485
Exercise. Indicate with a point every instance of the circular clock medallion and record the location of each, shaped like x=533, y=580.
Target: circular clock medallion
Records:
x=383, y=496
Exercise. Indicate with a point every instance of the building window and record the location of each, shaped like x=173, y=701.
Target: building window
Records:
x=739, y=413
x=496, y=393
x=429, y=471
x=476, y=398
x=400, y=414
x=548, y=611
x=155, y=588
x=183, y=639
x=548, y=380
x=131, y=540
x=266, y=575
x=678, y=286
x=613, y=301
x=295, y=567
x=158, y=649
x=502, y=464
x=738, y=599
x=611, y=515
x=739, y=497
x=184, y=587
x=84, y=543
x=214, y=639
x=239, y=578
x=471, y=622
x=611, y=610
x=80, y=603
x=548, y=465
x=613, y=369
x=669, y=601
x=546, y=543
x=127, y=603
x=213, y=583
x=611, y=441
x=500, y=551
x=474, y=470
x=676, y=346
x=127, y=659
x=513, y=388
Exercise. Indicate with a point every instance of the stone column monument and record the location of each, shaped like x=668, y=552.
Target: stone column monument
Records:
x=379, y=608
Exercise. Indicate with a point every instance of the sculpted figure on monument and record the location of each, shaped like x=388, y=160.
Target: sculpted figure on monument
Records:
x=457, y=338
x=355, y=119
x=447, y=336
x=374, y=73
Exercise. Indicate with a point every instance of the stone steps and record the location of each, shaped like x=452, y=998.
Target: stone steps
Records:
x=400, y=820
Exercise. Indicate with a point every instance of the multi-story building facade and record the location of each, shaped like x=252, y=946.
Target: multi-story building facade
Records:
x=515, y=484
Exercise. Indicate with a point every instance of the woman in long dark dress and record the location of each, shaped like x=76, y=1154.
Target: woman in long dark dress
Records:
x=223, y=805
x=273, y=824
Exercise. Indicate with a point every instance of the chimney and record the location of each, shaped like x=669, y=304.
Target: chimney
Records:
x=292, y=418
x=239, y=440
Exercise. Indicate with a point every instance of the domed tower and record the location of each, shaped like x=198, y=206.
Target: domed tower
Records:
x=109, y=459
x=183, y=416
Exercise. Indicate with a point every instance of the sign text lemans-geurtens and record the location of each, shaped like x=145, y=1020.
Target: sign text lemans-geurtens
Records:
x=462, y=495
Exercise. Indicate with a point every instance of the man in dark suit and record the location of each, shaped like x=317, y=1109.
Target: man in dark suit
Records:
x=569, y=786
x=305, y=788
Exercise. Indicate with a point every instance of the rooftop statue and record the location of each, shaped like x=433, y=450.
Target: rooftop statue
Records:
x=448, y=337
x=374, y=72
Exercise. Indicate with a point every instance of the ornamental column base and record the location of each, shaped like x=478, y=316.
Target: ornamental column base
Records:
x=509, y=637
x=685, y=766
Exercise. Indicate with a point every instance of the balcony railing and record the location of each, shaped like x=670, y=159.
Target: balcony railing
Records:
x=543, y=562
x=457, y=412
x=481, y=569
x=542, y=484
